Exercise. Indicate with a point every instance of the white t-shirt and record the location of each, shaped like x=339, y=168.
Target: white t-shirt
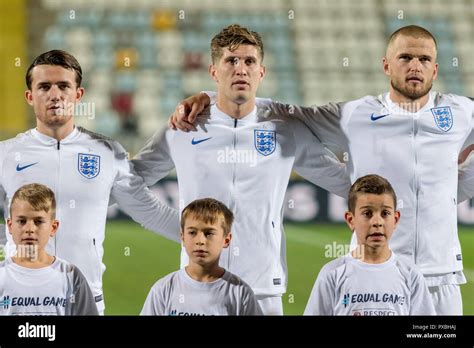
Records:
x=58, y=289
x=179, y=294
x=347, y=286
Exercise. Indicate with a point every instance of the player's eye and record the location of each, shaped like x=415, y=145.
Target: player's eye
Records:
x=38, y=222
x=386, y=213
x=21, y=221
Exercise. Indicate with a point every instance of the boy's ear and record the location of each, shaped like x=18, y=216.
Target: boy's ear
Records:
x=54, y=227
x=349, y=217
x=9, y=224
x=182, y=236
x=227, y=240
x=397, y=217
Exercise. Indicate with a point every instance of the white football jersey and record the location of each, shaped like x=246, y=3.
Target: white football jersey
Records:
x=347, y=286
x=417, y=152
x=246, y=164
x=178, y=294
x=58, y=289
x=83, y=170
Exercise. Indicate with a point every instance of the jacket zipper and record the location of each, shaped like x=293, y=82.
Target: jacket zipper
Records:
x=58, y=148
x=234, y=146
x=417, y=190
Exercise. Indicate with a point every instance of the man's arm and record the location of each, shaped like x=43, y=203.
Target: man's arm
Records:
x=323, y=121
x=317, y=164
x=153, y=162
x=466, y=165
x=134, y=197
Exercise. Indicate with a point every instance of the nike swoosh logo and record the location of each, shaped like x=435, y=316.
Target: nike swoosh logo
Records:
x=19, y=169
x=195, y=142
x=375, y=118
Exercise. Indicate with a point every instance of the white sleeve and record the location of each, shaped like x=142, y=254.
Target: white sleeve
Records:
x=153, y=162
x=250, y=304
x=317, y=164
x=136, y=199
x=322, y=121
x=154, y=304
x=321, y=299
x=420, y=299
x=466, y=169
x=466, y=179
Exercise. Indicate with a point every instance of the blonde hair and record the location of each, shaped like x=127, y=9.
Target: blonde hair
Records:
x=208, y=211
x=413, y=31
x=40, y=197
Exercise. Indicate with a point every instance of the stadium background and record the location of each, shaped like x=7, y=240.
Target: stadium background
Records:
x=141, y=57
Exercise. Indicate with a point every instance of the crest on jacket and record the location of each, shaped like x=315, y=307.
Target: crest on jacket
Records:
x=443, y=117
x=265, y=141
x=88, y=165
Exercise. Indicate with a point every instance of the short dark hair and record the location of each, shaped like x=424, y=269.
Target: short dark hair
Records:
x=232, y=37
x=371, y=183
x=208, y=210
x=56, y=57
x=40, y=197
x=414, y=31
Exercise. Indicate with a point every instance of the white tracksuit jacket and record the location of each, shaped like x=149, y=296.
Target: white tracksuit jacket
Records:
x=83, y=170
x=417, y=152
x=246, y=164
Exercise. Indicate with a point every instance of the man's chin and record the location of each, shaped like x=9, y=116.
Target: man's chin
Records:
x=57, y=121
x=241, y=99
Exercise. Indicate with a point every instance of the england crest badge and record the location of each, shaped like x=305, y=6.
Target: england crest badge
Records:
x=265, y=141
x=88, y=165
x=443, y=118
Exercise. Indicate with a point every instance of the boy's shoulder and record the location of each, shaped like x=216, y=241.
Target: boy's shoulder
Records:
x=234, y=280
x=406, y=267
x=335, y=264
x=167, y=281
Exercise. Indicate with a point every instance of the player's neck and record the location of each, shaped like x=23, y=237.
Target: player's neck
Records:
x=58, y=133
x=372, y=255
x=204, y=273
x=40, y=259
x=408, y=104
x=233, y=109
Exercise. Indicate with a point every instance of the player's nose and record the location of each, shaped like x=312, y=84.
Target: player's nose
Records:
x=30, y=227
x=377, y=221
x=200, y=239
x=54, y=93
x=415, y=64
x=241, y=68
